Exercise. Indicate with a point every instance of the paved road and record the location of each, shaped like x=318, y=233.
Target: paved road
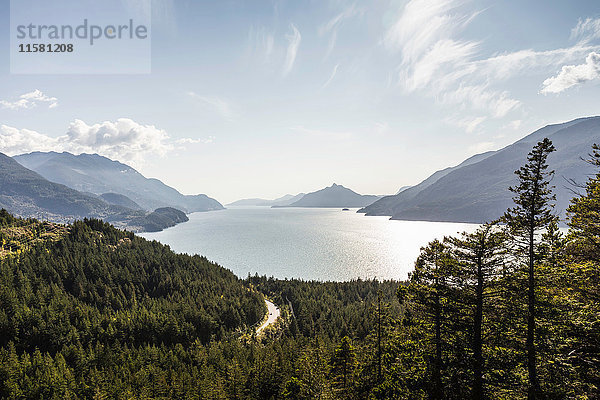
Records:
x=273, y=315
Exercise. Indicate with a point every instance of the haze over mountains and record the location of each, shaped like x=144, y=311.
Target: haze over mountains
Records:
x=63, y=186
x=281, y=201
x=333, y=196
x=477, y=189
x=29, y=194
x=330, y=197
x=99, y=175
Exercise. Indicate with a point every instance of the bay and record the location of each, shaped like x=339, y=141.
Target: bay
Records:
x=308, y=243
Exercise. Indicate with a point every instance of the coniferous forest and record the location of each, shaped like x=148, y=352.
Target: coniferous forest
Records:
x=511, y=311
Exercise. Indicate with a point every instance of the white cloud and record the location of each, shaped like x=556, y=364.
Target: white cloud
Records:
x=30, y=100
x=482, y=147
x=444, y=53
x=261, y=42
x=481, y=98
x=222, y=107
x=207, y=140
x=469, y=124
x=573, y=75
x=294, y=40
x=586, y=29
x=332, y=26
x=422, y=23
x=505, y=66
x=124, y=140
x=17, y=141
x=437, y=62
x=333, y=74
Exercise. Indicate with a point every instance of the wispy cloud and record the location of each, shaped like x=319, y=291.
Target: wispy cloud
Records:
x=222, y=107
x=424, y=23
x=437, y=62
x=586, y=30
x=30, y=100
x=482, y=147
x=505, y=66
x=294, y=38
x=261, y=42
x=573, y=75
x=124, y=140
x=331, y=77
x=332, y=26
x=434, y=59
x=480, y=98
x=469, y=124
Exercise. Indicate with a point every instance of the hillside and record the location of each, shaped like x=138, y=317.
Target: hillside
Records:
x=94, y=312
x=159, y=219
x=119, y=286
x=120, y=200
x=96, y=174
x=27, y=194
x=477, y=190
x=333, y=196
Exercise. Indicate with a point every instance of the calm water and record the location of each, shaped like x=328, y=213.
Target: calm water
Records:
x=321, y=244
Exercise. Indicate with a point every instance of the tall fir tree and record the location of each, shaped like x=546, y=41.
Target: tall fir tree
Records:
x=429, y=297
x=480, y=255
x=532, y=214
x=342, y=367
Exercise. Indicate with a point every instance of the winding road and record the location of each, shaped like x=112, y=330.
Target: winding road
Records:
x=273, y=315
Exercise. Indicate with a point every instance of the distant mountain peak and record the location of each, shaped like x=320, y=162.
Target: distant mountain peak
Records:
x=334, y=196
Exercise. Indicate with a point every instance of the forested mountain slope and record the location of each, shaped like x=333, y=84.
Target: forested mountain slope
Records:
x=97, y=174
x=477, y=190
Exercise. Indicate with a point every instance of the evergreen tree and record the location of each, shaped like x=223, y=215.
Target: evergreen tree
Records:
x=532, y=213
x=428, y=297
x=480, y=254
x=342, y=364
x=583, y=274
x=584, y=215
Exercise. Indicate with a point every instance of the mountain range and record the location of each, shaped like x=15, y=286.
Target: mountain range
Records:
x=477, y=189
x=92, y=173
x=62, y=186
x=28, y=193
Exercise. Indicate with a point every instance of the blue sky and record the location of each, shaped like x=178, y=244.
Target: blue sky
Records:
x=264, y=98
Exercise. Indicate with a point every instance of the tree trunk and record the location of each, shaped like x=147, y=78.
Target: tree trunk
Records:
x=379, y=339
x=534, y=386
x=477, y=337
x=437, y=369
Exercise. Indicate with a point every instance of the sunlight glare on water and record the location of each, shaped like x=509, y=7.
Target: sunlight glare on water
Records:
x=307, y=243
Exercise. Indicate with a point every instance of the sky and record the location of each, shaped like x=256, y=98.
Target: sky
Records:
x=262, y=98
